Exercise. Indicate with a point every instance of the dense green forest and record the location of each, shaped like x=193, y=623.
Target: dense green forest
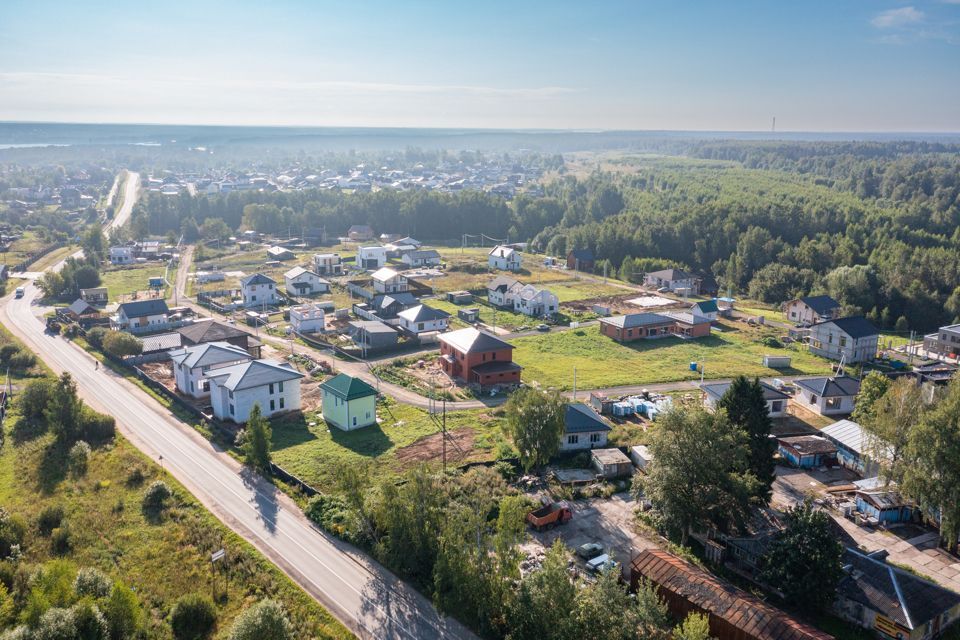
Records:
x=873, y=224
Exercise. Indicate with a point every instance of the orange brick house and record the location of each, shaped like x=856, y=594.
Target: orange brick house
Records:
x=634, y=326
x=478, y=357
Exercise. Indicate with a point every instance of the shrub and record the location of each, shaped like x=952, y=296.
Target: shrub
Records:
x=505, y=469
x=91, y=623
x=96, y=427
x=22, y=361
x=49, y=519
x=121, y=343
x=20, y=633
x=772, y=342
x=56, y=624
x=330, y=513
x=193, y=617
x=7, y=351
x=95, y=337
x=79, y=458
x=122, y=611
x=61, y=540
x=33, y=400
x=156, y=496
x=266, y=619
x=12, y=530
x=135, y=477
x=92, y=582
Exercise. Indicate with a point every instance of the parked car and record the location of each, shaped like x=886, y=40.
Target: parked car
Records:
x=543, y=327
x=602, y=562
x=19, y=292
x=590, y=550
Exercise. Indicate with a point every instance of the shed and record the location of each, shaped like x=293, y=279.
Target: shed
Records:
x=641, y=456
x=156, y=282
x=611, y=463
x=777, y=362
x=459, y=297
x=807, y=452
x=469, y=315
x=884, y=507
x=96, y=295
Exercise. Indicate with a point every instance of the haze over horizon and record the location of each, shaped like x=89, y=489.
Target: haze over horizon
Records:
x=817, y=67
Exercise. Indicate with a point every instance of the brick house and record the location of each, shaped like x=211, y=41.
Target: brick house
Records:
x=478, y=357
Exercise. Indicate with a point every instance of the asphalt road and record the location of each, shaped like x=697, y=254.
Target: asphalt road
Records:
x=129, y=199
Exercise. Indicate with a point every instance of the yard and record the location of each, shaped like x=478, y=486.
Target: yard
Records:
x=600, y=362
x=20, y=249
x=405, y=437
x=125, y=281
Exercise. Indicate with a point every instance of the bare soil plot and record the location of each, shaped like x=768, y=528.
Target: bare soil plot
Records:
x=430, y=448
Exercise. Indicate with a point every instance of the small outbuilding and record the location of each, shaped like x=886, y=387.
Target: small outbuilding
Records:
x=641, y=456
x=807, y=452
x=611, y=463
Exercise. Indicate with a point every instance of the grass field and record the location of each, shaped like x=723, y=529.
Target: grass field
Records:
x=316, y=454
x=124, y=281
x=550, y=358
x=160, y=558
x=20, y=249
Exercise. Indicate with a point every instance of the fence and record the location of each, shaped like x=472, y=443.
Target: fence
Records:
x=33, y=257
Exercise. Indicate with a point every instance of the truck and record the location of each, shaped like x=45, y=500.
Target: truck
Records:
x=547, y=516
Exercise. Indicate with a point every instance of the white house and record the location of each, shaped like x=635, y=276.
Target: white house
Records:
x=259, y=290
x=280, y=254
x=583, y=428
x=348, y=403
x=776, y=400
x=307, y=318
x=301, y=282
x=707, y=309
x=142, y=315
x=386, y=280
x=676, y=280
x=531, y=301
x=811, y=309
x=421, y=258
x=275, y=386
x=504, y=258
x=121, y=255
x=853, y=339
x=191, y=364
x=423, y=319
x=828, y=396
x=502, y=290
x=327, y=264
x=371, y=257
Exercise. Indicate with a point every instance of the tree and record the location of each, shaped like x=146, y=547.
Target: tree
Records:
x=79, y=458
x=699, y=475
x=803, y=561
x=747, y=410
x=123, y=613
x=93, y=242
x=889, y=423
x=696, y=626
x=193, y=617
x=92, y=582
x=266, y=619
x=51, y=284
x=214, y=229
x=872, y=388
x=546, y=594
x=62, y=411
x=91, y=623
x=121, y=343
x=535, y=422
x=256, y=448
x=33, y=399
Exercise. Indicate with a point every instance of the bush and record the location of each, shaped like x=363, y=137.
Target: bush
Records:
x=95, y=337
x=79, y=458
x=22, y=361
x=61, y=540
x=506, y=470
x=56, y=624
x=122, y=611
x=33, y=400
x=7, y=351
x=156, y=496
x=20, y=633
x=266, y=619
x=91, y=623
x=49, y=519
x=135, y=478
x=121, y=343
x=96, y=427
x=193, y=617
x=772, y=342
x=330, y=513
x=12, y=530
x=92, y=582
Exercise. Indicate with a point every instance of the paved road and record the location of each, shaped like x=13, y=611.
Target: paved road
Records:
x=366, y=597
x=129, y=199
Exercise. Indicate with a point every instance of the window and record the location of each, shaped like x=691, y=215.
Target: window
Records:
x=833, y=403
x=281, y=403
x=191, y=385
x=843, y=341
x=573, y=439
x=271, y=388
x=594, y=437
x=253, y=298
x=273, y=405
x=776, y=406
x=231, y=409
x=368, y=415
x=420, y=327
x=354, y=420
x=813, y=398
x=494, y=356
x=280, y=386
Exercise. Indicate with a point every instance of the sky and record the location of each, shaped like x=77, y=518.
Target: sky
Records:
x=723, y=65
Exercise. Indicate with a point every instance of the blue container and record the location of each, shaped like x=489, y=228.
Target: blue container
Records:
x=693, y=366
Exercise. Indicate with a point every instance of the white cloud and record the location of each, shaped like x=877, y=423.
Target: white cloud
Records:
x=894, y=18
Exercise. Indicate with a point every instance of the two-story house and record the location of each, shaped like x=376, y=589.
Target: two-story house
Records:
x=234, y=390
x=423, y=319
x=504, y=258
x=853, y=339
x=502, y=290
x=676, y=280
x=121, y=255
x=327, y=264
x=371, y=257
x=811, y=310
x=945, y=342
x=536, y=302
x=348, y=403
x=386, y=280
x=302, y=282
x=478, y=357
x=191, y=364
x=141, y=315
x=307, y=318
x=259, y=290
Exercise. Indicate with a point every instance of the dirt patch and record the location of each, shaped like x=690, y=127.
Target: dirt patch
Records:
x=162, y=372
x=621, y=304
x=459, y=446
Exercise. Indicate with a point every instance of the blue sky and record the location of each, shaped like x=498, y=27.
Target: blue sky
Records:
x=839, y=65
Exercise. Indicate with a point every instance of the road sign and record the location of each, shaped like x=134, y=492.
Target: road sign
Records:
x=217, y=555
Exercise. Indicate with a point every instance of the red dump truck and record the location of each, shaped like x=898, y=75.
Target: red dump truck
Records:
x=549, y=515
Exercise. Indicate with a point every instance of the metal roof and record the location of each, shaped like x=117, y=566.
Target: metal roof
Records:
x=161, y=342
x=209, y=331
x=209, y=354
x=831, y=387
x=257, y=278
x=141, y=308
x=670, y=274
x=347, y=387
x=847, y=433
x=632, y=320
x=717, y=389
x=820, y=304
x=255, y=373
x=853, y=326
x=296, y=272
x=384, y=273
x=422, y=313
x=473, y=341
x=580, y=418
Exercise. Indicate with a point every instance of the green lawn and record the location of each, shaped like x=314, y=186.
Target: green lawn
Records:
x=574, y=290
x=316, y=453
x=550, y=358
x=124, y=281
x=20, y=249
x=53, y=258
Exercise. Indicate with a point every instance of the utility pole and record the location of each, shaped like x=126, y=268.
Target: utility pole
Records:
x=574, y=384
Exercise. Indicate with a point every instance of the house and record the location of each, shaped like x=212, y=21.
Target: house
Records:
x=307, y=318
x=502, y=290
x=386, y=280
x=371, y=257
x=407, y=241
x=421, y=258
x=707, y=309
x=348, y=403
x=96, y=295
x=583, y=428
x=828, y=396
x=945, y=342
x=676, y=280
x=275, y=386
x=280, y=254
x=807, y=452
x=504, y=258
x=811, y=310
x=373, y=335
x=300, y=282
x=360, y=232
x=611, y=463
x=776, y=400
x=581, y=260
x=881, y=506
x=141, y=315
x=531, y=301
x=388, y=306
x=854, y=339
x=890, y=601
x=259, y=290
x=205, y=331
x=82, y=311
x=478, y=357
x=853, y=446
x=423, y=319
x=327, y=264
x=192, y=364
x=121, y=255
x=634, y=326
x=733, y=614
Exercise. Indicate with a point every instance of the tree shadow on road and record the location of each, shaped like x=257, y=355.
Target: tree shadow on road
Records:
x=264, y=498
x=386, y=600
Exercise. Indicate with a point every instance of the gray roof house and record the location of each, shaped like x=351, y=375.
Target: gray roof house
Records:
x=373, y=335
x=854, y=339
x=142, y=315
x=583, y=428
x=192, y=363
x=828, y=396
x=776, y=399
x=234, y=390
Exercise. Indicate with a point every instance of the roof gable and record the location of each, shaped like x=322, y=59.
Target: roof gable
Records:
x=473, y=341
x=142, y=308
x=579, y=418
x=255, y=373
x=255, y=279
x=208, y=354
x=853, y=326
x=347, y=387
x=209, y=331
x=422, y=313
x=820, y=304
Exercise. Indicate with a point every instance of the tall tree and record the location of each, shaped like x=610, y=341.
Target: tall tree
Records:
x=803, y=561
x=872, y=388
x=889, y=423
x=63, y=408
x=747, y=410
x=256, y=449
x=546, y=594
x=700, y=471
x=535, y=423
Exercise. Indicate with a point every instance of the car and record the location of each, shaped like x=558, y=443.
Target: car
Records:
x=19, y=292
x=543, y=327
x=663, y=290
x=601, y=563
x=590, y=550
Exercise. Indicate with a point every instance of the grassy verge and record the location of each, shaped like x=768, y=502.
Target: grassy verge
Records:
x=52, y=258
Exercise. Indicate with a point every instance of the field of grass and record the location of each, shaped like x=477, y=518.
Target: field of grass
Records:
x=504, y=319
x=20, y=249
x=160, y=558
x=124, y=281
x=316, y=453
x=759, y=309
x=550, y=358
x=579, y=290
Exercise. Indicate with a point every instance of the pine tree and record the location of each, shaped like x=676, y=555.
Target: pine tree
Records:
x=747, y=410
x=256, y=449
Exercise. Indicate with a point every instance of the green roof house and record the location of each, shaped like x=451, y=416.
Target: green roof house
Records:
x=349, y=403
